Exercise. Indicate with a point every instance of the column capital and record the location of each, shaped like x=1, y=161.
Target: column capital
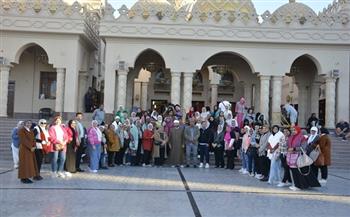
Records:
x=264, y=77
x=175, y=74
x=125, y=73
x=330, y=80
x=188, y=74
x=277, y=78
x=5, y=67
x=60, y=70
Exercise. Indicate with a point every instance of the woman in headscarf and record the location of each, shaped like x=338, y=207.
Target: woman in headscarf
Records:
x=147, y=143
x=312, y=140
x=273, y=153
x=160, y=143
x=42, y=141
x=27, y=161
x=218, y=146
x=15, y=143
x=302, y=178
x=240, y=110
x=324, y=160
x=286, y=181
x=58, y=139
x=72, y=145
x=113, y=144
x=95, y=139
x=159, y=122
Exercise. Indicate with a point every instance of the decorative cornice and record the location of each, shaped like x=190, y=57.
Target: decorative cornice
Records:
x=228, y=33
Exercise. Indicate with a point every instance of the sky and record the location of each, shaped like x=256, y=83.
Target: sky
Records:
x=260, y=5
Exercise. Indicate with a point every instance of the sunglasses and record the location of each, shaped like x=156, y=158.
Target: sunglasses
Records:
x=43, y=123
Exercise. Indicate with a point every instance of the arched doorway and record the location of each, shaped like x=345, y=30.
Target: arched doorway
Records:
x=225, y=76
x=33, y=82
x=303, y=88
x=149, y=82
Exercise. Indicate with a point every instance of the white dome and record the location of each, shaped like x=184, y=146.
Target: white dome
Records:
x=207, y=6
x=294, y=9
x=146, y=6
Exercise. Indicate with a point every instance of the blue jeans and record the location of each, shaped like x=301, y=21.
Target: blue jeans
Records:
x=244, y=157
x=95, y=155
x=275, y=171
x=204, y=152
x=58, y=159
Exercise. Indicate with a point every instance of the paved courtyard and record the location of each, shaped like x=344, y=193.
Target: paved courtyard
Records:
x=137, y=191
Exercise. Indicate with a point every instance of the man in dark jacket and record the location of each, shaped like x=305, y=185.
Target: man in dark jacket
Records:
x=206, y=137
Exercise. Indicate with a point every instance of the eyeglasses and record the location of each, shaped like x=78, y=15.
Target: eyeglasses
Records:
x=43, y=123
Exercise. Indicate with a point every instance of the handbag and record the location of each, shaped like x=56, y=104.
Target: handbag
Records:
x=315, y=153
x=304, y=160
x=292, y=159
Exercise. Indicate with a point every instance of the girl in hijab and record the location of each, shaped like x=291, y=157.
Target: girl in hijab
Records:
x=159, y=122
x=95, y=139
x=312, y=139
x=218, y=146
x=72, y=145
x=302, y=178
x=147, y=143
x=273, y=153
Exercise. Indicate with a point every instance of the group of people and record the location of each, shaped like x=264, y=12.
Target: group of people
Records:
x=148, y=138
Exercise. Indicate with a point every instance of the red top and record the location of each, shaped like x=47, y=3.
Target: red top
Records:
x=147, y=140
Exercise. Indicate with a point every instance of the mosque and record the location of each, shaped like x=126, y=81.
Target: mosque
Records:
x=188, y=52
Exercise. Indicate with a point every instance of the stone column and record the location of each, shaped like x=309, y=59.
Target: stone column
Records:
x=4, y=82
x=122, y=78
x=302, y=104
x=144, y=94
x=83, y=80
x=330, y=103
x=264, y=96
x=175, y=87
x=60, y=90
x=137, y=93
x=276, y=100
x=248, y=94
x=214, y=95
x=187, y=96
x=315, y=97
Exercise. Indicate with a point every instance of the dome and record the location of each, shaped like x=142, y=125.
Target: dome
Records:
x=146, y=6
x=294, y=9
x=210, y=6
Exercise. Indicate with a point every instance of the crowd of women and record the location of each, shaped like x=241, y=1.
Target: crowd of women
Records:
x=147, y=138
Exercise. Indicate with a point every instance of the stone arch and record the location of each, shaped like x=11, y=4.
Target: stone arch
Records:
x=144, y=52
x=233, y=54
x=22, y=48
x=310, y=57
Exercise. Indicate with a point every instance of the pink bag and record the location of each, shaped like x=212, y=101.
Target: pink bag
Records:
x=292, y=159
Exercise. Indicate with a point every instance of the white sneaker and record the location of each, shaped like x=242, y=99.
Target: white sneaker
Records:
x=245, y=172
x=15, y=167
x=293, y=188
x=54, y=174
x=251, y=174
x=282, y=184
x=68, y=174
x=182, y=166
x=201, y=165
x=258, y=176
x=143, y=164
x=323, y=182
x=93, y=171
x=61, y=174
x=241, y=170
x=206, y=166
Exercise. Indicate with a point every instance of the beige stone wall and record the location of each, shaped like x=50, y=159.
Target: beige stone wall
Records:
x=26, y=74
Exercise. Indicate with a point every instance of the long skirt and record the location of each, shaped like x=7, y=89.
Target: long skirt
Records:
x=304, y=178
x=70, y=159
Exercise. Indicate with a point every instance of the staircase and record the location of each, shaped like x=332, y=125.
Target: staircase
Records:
x=340, y=149
x=340, y=153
